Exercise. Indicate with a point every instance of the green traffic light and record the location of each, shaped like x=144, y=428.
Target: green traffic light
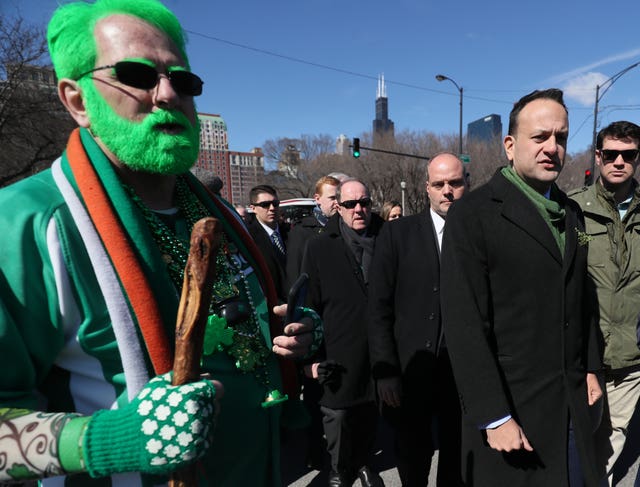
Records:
x=356, y=147
x=356, y=153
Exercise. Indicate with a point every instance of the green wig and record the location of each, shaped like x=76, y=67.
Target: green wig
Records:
x=70, y=33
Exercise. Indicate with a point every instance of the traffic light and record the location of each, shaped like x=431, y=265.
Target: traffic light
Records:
x=588, y=177
x=356, y=147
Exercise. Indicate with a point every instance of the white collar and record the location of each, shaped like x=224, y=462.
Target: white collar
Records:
x=438, y=221
x=267, y=229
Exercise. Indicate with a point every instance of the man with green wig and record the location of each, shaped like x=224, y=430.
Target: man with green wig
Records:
x=91, y=270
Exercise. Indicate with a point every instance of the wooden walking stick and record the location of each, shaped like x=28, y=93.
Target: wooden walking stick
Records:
x=199, y=274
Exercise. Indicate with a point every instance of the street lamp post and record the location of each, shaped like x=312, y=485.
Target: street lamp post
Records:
x=441, y=77
x=403, y=186
x=599, y=94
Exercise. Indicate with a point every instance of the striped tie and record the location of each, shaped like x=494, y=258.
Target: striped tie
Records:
x=277, y=241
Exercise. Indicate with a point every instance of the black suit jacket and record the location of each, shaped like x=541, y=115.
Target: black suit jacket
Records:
x=277, y=266
x=519, y=333
x=404, y=298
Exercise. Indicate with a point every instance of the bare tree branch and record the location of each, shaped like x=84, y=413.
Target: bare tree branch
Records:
x=33, y=123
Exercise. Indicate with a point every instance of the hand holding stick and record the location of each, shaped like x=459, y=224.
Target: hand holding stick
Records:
x=199, y=275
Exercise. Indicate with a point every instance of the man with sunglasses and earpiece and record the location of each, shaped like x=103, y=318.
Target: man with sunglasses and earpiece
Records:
x=611, y=209
x=92, y=263
x=270, y=236
x=338, y=263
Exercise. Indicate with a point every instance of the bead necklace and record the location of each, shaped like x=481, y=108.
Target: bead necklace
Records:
x=241, y=338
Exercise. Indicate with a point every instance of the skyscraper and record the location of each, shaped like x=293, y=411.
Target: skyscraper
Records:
x=214, y=150
x=382, y=126
x=485, y=129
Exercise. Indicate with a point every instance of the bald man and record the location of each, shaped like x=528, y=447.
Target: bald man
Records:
x=409, y=361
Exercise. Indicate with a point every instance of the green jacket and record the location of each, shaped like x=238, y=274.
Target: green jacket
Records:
x=57, y=335
x=614, y=270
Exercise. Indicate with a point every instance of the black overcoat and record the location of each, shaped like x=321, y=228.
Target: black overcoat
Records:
x=518, y=333
x=299, y=236
x=338, y=292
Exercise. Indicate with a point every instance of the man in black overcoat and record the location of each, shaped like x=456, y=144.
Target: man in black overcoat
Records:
x=338, y=263
x=409, y=359
x=270, y=237
x=517, y=322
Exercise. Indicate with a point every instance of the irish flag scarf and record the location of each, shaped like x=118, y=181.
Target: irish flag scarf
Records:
x=141, y=300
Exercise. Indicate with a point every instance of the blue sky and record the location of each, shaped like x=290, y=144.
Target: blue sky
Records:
x=496, y=50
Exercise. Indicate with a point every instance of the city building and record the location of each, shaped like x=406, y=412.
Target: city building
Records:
x=342, y=145
x=289, y=161
x=486, y=129
x=34, y=125
x=238, y=171
x=245, y=169
x=214, y=151
x=382, y=126
x=39, y=76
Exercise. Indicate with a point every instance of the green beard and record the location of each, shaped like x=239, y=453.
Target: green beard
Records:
x=139, y=145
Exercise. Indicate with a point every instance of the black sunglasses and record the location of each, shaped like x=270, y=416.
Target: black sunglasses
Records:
x=610, y=155
x=351, y=204
x=267, y=204
x=145, y=77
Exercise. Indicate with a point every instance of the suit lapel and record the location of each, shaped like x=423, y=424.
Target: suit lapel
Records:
x=570, y=238
x=519, y=210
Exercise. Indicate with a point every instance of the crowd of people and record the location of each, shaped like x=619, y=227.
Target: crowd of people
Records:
x=499, y=326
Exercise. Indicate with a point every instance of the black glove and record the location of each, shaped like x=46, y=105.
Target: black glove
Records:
x=330, y=374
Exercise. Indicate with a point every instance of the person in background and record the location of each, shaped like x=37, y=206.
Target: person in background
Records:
x=309, y=227
x=92, y=271
x=338, y=263
x=611, y=210
x=270, y=236
x=391, y=210
x=241, y=210
x=409, y=360
x=340, y=176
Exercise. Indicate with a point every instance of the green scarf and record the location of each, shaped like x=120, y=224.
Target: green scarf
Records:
x=550, y=210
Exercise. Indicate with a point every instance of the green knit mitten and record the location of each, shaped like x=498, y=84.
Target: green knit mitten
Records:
x=163, y=429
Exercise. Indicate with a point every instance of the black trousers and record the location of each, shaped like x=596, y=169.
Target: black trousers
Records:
x=311, y=394
x=350, y=434
x=428, y=419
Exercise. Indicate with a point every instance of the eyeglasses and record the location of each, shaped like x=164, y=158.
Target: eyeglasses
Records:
x=351, y=204
x=629, y=155
x=145, y=77
x=267, y=204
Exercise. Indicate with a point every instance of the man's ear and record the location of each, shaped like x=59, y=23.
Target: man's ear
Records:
x=70, y=95
x=598, y=157
x=508, y=143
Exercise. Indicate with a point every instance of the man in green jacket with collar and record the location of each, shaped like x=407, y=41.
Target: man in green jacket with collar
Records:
x=92, y=258
x=612, y=217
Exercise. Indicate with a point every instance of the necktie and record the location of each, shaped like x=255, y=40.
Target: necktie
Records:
x=277, y=241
